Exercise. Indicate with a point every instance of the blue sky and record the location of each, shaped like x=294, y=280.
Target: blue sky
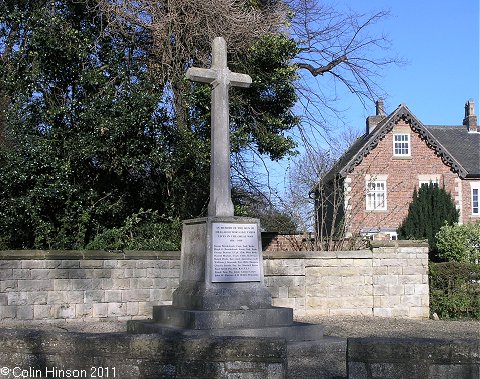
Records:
x=440, y=42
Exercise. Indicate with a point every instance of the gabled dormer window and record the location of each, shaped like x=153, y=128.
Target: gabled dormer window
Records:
x=401, y=145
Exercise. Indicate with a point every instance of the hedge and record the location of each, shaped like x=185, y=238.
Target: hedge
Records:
x=455, y=290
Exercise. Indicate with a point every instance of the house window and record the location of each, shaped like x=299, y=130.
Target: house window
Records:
x=475, y=193
x=376, y=195
x=426, y=179
x=475, y=209
x=428, y=182
x=401, y=145
x=376, y=233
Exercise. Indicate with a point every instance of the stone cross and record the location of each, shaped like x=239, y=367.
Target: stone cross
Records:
x=221, y=78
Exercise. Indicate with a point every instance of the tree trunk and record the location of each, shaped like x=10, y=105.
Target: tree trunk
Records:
x=4, y=101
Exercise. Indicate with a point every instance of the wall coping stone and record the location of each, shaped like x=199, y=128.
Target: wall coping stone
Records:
x=318, y=254
x=410, y=349
x=399, y=243
x=87, y=254
x=175, y=255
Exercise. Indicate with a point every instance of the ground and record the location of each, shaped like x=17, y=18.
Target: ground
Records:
x=396, y=327
x=334, y=326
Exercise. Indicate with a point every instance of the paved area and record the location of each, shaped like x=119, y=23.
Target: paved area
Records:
x=395, y=327
x=334, y=326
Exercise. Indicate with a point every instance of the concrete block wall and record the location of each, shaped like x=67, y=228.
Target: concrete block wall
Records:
x=388, y=280
x=94, y=285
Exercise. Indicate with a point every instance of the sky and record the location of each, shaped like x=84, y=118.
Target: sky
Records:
x=440, y=42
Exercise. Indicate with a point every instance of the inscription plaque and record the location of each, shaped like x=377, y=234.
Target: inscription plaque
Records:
x=236, y=255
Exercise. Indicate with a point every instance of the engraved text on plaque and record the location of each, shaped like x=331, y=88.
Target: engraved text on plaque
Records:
x=236, y=255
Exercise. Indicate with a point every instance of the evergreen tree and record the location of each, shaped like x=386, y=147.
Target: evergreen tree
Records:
x=91, y=139
x=430, y=209
x=100, y=130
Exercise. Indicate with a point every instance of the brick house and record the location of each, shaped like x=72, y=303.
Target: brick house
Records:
x=369, y=188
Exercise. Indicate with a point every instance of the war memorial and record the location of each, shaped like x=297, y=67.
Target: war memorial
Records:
x=221, y=322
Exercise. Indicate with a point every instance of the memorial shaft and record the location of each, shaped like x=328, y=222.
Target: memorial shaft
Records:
x=220, y=78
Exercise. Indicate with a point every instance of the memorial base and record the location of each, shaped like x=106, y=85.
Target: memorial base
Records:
x=270, y=322
x=221, y=265
x=224, y=296
x=221, y=291
x=295, y=332
x=222, y=319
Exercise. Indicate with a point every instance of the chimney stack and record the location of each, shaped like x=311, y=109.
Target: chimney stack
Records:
x=379, y=107
x=470, y=120
x=373, y=121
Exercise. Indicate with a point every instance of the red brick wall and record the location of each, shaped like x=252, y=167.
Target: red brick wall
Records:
x=287, y=242
x=467, y=201
x=403, y=177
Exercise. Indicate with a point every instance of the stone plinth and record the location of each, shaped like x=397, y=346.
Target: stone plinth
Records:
x=194, y=319
x=242, y=287
x=262, y=322
x=222, y=291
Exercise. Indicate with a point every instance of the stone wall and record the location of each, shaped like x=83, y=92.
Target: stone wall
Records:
x=390, y=279
x=40, y=285
x=34, y=354
x=413, y=358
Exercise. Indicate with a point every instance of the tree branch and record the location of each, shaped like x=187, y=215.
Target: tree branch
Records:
x=322, y=69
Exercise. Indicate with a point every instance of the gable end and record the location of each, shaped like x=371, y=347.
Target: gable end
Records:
x=402, y=113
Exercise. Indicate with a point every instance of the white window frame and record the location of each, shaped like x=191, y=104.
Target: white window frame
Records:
x=427, y=179
x=401, y=145
x=378, y=193
x=475, y=193
x=371, y=235
x=427, y=183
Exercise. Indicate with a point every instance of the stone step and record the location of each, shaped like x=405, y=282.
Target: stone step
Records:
x=294, y=332
x=219, y=319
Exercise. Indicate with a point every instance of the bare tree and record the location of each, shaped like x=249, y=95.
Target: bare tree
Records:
x=339, y=46
x=303, y=185
x=179, y=32
x=329, y=43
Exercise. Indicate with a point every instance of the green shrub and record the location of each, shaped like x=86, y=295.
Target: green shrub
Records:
x=455, y=290
x=144, y=230
x=431, y=207
x=459, y=243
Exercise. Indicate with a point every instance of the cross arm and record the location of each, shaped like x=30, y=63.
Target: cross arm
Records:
x=202, y=75
x=240, y=80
